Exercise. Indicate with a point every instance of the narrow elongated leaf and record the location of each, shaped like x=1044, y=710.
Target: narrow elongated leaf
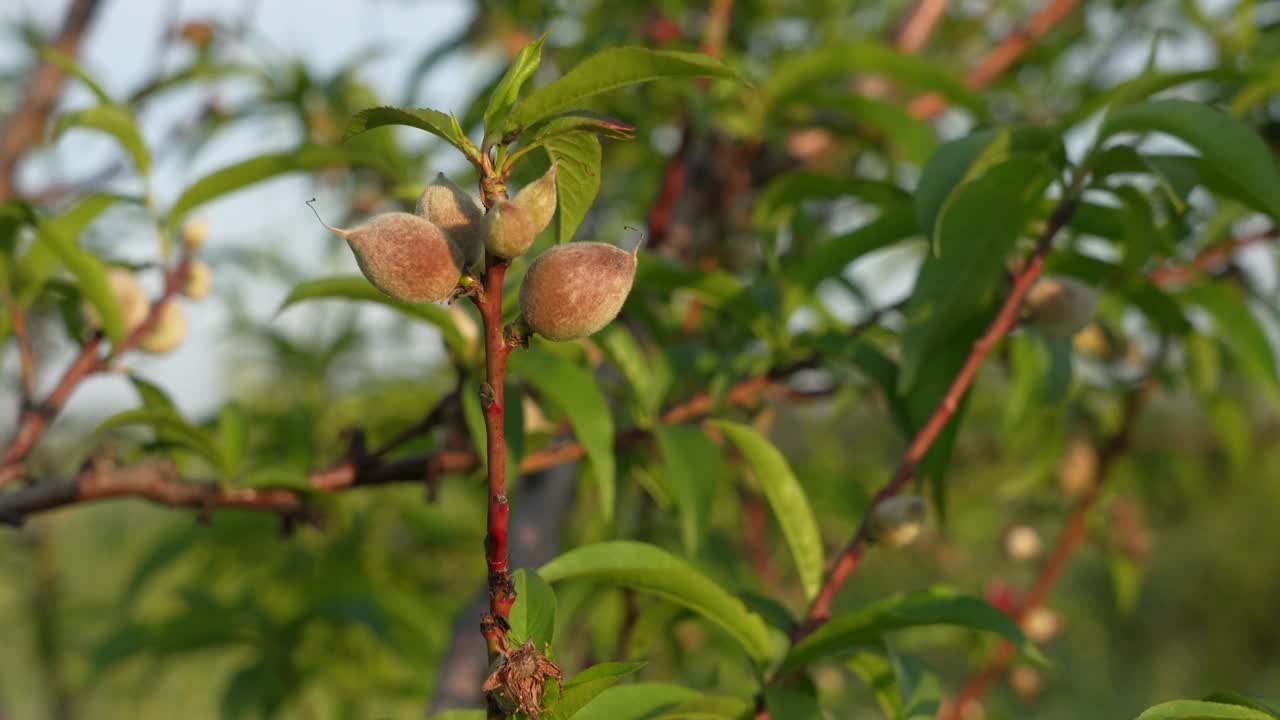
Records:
x=978, y=229
x=577, y=178
x=1201, y=710
x=650, y=569
x=433, y=121
x=574, y=121
x=694, y=466
x=634, y=702
x=801, y=72
x=831, y=257
x=355, y=287
x=576, y=393
x=115, y=121
x=1238, y=326
x=866, y=625
x=609, y=70
x=714, y=707
x=625, y=353
x=589, y=683
x=91, y=277
x=533, y=617
x=1230, y=698
x=71, y=66
x=170, y=428
x=782, y=195
x=35, y=267
x=1233, y=150
x=243, y=174
x=504, y=96
x=786, y=498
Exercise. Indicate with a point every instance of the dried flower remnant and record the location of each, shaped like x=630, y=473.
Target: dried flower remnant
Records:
x=519, y=680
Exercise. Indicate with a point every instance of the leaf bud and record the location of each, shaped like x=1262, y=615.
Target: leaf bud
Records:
x=451, y=209
x=574, y=290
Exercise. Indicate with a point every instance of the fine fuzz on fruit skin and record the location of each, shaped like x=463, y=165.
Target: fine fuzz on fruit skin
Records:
x=405, y=256
x=509, y=231
x=896, y=521
x=538, y=199
x=168, y=332
x=129, y=296
x=199, y=281
x=574, y=290
x=451, y=209
x=1061, y=306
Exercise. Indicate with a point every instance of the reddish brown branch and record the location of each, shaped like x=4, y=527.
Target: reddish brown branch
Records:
x=847, y=560
x=1209, y=259
x=26, y=357
x=27, y=124
x=920, y=24
x=1002, y=57
x=1073, y=533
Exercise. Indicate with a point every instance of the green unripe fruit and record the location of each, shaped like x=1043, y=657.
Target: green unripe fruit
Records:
x=406, y=257
x=574, y=290
x=451, y=209
x=538, y=199
x=199, y=281
x=1061, y=306
x=130, y=298
x=168, y=332
x=509, y=231
x=896, y=521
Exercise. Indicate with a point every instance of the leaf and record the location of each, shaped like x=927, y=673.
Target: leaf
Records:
x=460, y=715
x=1230, y=698
x=91, y=274
x=588, y=684
x=625, y=353
x=1228, y=146
x=115, y=121
x=634, y=702
x=578, y=155
x=533, y=616
x=647, y=568
x=355, y=287
x=786, y=498
x=152, y=396
x=609, y=70
x=35, y=267
x=574, y=121
x=169, y=428
x=831, y=257
x=1237, y=324
x=903, y=688
x=433, y=121
x=801, y=72
x=242, y=174
x=1201, y=710
x=693, y=467
x=714, y=707
x=978, y=229
x=866, y=625
x=782, y=195
x=503, y=98
x=71, y=66
x=575, y=392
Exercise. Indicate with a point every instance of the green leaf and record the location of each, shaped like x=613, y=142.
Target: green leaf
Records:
x=71, y=66
x=169, y=428
x=433, y=121
x=609, y=70
x=780, y=197
x=786, y=498
x=866, y=625
x=634, y=702
x=625, y=353
x=1230, y=698
x=91, y=276
x=801, y=72
x=588, y=684
x=979, y=228
x=115, y=121
x=504, y=96
x=35, y=267
x=902, y=686
x=577, y=178
x=714, y=707
x=833, y=256
x=460, y=715
x=1237, y=325
x=575, y=392
x=355, y=287
x=1231, y=148
x=242, y=174
x=693, y=468
x=650, y=569
x=575, y=121
x=533, y=617
x=1201, y=710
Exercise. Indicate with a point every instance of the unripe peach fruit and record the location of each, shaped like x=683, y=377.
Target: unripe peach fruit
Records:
x=405, y=256
x=195, y=233
x=130, y=297
x=896, y=521
x=1061, y=306
x=168, y=331
x=538, y=199
x=451, y=209
x=509, y=230
x=574, y=290
x=199, y=280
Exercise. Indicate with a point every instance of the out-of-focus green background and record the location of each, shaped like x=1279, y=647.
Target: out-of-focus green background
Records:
x=121, y=610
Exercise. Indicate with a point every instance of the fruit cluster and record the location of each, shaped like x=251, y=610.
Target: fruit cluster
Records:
x=569, y=292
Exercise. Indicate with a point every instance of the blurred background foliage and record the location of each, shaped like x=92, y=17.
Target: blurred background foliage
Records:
x=127, y=610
